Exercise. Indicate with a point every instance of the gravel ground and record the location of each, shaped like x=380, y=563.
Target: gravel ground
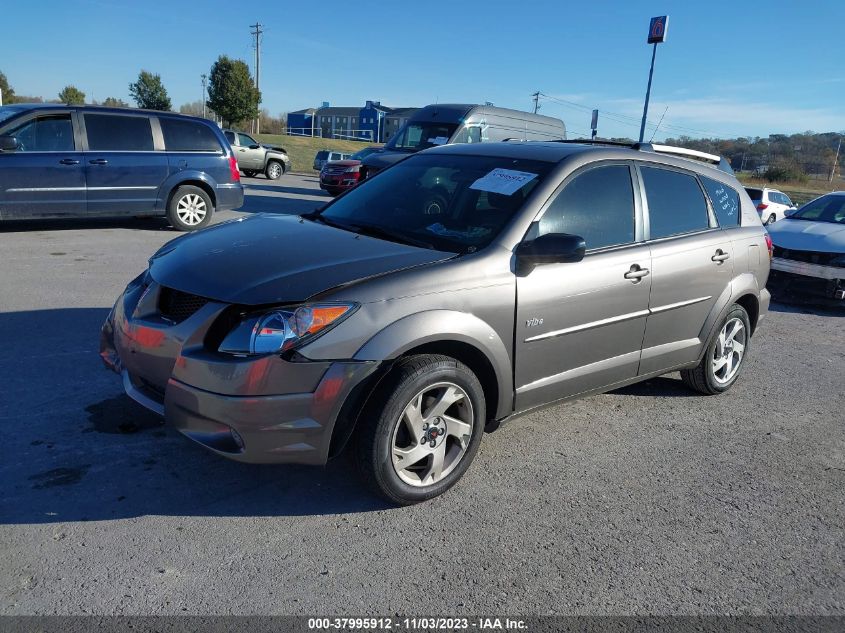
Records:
x=646, y=500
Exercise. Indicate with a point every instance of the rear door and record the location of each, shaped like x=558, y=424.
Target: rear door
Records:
x=691, y=266
x=125, y=164
x=580, y=325
x=45, y=176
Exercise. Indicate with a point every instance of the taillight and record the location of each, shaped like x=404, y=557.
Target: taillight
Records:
x=762, y=206
x=233, y=168
x=770, y=245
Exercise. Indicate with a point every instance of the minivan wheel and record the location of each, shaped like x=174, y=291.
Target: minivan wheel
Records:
x=190, y=208
x=421, y=429
x=274, y=170
x=723, y=360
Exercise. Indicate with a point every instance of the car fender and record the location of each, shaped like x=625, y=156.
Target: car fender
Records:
x=740, y=285
x=437, y=326
x=275, y=155
x=177, y=178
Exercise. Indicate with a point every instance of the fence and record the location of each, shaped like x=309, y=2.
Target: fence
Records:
x=318, y=132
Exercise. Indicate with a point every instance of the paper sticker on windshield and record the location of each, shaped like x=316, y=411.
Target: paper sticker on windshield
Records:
x=439, y=140
x=505, y=181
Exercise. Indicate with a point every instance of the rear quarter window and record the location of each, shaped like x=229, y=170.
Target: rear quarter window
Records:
x=118, y=133
x=188, y=136
x=676, y=203
x=725, y=202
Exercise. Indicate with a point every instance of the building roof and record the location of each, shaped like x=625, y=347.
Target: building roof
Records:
x=338, y=111
x=305, y=111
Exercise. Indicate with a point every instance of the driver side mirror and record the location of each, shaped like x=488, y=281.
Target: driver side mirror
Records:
x=790, y=211
x=256, y=146
x=552, y=248
x=8, y=143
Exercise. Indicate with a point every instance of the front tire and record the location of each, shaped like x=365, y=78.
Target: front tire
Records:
x=190, y=209
x=274, y=170
x=421, y=429
x=723, y=360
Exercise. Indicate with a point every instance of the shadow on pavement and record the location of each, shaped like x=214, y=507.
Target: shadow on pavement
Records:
x=660, y=386
x=77, y=449
x=77, y=224
x=297, y=191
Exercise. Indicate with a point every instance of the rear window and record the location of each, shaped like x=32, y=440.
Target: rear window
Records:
x=754, y=194
x=725, y=202
x=188, y=136
x=675, y=203
x=115, y=132
x=322, y=155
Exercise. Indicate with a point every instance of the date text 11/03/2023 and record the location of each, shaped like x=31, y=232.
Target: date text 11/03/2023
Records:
x=417, y=624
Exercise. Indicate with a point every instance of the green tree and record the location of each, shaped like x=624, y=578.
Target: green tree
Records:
x=149, y=92
x=8, y=91
x=114, y=102
x=231, y=91
x=71, y=95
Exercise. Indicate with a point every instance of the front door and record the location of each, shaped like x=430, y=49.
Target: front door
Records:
x=249, y=158
x=691, y=267
x=45, y=176
x=580, y=325
x=124, y=169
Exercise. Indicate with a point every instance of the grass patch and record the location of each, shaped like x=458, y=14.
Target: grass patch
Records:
x=302, y=149
x=799, y=192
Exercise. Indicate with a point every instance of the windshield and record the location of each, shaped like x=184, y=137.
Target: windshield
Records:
x=755, y=194
x=361, y=154
x=829, y=208
x=7, y=112
x=451, y=203
x=413, y=137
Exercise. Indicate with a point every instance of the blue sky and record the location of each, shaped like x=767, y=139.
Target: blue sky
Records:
x=728, y=68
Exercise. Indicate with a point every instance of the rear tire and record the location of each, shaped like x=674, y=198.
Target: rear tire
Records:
x=249, y=173
x=275, y=169
x=190, y=208
x=421, y=429
x=725, y=355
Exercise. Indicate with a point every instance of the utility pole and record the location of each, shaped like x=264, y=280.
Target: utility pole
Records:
x=835, y=160
x=536, y=96
x=257, y=34
x=204, y=78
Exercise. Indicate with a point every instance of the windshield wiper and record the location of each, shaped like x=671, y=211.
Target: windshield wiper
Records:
x=374, y=230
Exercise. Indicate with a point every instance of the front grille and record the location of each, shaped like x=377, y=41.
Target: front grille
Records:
x=810, y=257
x=177, y=305
x=334, y=171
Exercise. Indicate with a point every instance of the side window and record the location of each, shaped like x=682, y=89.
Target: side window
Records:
x=787, y=201
x=675, y=203
x=115, y=132
x=188, y=136
x=51, y=133
x=245, y=140
x=725, y=202
x=598, y=205
x=230, y=136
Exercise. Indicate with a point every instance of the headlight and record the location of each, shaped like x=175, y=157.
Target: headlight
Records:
x=285, y=328
x=352, y=170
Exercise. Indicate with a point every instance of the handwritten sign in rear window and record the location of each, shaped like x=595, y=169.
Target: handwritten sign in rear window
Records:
x=725, y=202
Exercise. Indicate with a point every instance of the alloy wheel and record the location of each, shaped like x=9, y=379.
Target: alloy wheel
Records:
x=729, y=351
x=432, y=435
x=274, y=171
x=191, y=209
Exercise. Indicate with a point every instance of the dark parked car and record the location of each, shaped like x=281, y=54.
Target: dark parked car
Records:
x=449, y=292
x=337, y=176
x=61, y=161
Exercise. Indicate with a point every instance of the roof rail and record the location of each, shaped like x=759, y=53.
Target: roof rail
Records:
x=719, y=162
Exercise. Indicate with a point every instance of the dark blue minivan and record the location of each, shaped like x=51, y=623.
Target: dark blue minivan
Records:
x=59, y=161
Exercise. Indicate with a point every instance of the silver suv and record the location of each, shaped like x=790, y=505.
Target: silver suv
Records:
x=451, y=291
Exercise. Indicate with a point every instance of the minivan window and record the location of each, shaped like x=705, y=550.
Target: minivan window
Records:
x=182, y=135
x=598, y=205
x=675, y=203
x=118, y=133
x=49, y=133
x=418, y=136
x=451, y=203
x=322, y=155
x=245, y=141
x=725, y=202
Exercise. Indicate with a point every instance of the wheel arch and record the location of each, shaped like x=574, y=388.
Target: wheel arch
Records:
x=196, y=180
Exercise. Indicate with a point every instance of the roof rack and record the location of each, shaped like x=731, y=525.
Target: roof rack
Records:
x=719, y=162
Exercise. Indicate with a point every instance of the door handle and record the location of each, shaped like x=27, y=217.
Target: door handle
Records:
x=69, y=161
x=720, y=256
x=636, y=273
x=99, y=161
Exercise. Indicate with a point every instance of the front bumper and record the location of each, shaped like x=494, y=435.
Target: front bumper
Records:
x=260, y=409
x=803, y=280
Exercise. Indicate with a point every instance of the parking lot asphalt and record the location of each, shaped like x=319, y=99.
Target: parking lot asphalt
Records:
x=646, y=500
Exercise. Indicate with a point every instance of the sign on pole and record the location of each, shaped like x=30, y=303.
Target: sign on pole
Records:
x=657, y=29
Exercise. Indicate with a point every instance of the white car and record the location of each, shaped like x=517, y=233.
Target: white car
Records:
x=809, y=250
x=771, y=204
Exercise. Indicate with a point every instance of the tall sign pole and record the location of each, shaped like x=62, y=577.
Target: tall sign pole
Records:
x=204, y=78
x=656, y=35
x=257, y=33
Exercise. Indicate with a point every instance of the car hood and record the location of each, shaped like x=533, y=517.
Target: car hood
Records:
x=805, y=235
x=275, y=148
x=342, y=163
x=277, y=259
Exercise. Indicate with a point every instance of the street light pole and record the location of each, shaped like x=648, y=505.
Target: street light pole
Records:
x=204, y=78
x=656, y=35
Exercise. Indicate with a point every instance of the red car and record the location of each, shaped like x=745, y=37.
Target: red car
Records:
x=337, y=176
